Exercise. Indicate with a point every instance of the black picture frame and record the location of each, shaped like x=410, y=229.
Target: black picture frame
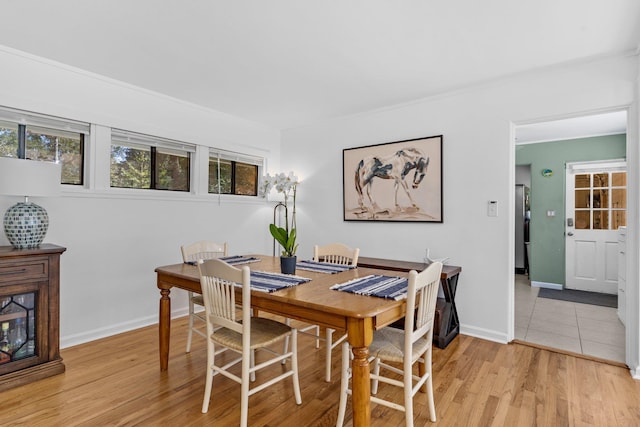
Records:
x=398, y=181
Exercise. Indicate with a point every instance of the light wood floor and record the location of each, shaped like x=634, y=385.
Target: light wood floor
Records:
x=117, y=382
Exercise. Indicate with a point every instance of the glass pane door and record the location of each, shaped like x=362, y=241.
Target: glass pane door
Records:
x=17, y=327
x=600, y=200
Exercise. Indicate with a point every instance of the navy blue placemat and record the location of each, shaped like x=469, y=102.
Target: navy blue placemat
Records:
x=271, y=282
x=389, y=287
x=239, y=259
x=322, y=267
x=232, y=260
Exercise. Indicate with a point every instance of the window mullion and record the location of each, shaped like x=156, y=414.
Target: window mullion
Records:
x=233, y=177
x=219, y=179
x=22, y=141
x=153, y=168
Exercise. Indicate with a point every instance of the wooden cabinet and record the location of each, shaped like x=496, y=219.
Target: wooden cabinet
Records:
x=29, y=314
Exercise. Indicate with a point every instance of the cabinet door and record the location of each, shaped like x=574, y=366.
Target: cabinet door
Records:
x=23, y=325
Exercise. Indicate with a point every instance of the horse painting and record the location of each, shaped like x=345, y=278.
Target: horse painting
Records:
x=396, y=167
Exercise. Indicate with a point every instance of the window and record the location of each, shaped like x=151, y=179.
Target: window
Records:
x=137, y=161
x=147, y=162
x=8, y=139
x=601, y=200
x=34, y=137
x=232, y=173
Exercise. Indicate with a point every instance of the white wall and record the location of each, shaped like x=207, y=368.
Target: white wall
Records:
x=479, y=166
x=115, y=239
x=114, y=242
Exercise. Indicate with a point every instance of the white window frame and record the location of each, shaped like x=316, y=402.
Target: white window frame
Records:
x=142, y=141
x=215, y=153
x=43, y=123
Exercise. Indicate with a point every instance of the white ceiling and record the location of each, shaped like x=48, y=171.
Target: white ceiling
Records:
x=286, y=63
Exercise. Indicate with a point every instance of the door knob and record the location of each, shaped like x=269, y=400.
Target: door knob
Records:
x=570, y=234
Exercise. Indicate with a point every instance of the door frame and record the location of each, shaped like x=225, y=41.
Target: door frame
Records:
x=632, y=338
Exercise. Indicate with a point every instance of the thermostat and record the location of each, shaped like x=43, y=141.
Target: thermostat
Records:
x=492, y=208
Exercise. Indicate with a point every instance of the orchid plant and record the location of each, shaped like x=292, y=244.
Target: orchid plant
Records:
x=287, y=185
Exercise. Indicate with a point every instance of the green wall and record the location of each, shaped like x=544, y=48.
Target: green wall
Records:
x=547, y=261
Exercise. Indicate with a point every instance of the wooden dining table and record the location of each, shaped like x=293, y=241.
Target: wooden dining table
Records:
x=312, y=302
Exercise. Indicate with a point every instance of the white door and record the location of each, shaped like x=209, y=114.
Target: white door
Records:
x=596, y=202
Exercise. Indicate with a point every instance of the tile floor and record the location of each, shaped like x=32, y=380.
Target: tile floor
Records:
x=581, y=328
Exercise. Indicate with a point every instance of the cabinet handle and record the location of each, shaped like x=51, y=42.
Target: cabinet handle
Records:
x=13, y=271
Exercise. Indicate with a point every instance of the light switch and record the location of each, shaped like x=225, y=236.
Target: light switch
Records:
x=551, y=214
x=492, y=208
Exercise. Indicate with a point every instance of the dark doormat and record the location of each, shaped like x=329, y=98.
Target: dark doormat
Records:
x=583, y=297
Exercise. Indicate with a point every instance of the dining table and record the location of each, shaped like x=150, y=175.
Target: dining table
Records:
x=312, y=302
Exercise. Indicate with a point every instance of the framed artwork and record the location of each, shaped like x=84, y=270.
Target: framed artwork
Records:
x=395, y=182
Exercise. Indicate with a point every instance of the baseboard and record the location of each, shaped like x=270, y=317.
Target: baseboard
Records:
x=107, y=331
x=635, y=372
x=547, y=285
x=485, y=334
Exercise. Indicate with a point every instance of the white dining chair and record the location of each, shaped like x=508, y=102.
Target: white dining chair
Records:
x=335, y=253
x=404, y=347
x=243, y=336
x=192, y=253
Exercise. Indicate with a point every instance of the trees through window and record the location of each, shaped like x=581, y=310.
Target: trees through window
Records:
x=233, y=174
x=147, y=162
x=31, y=137
x=137, y=161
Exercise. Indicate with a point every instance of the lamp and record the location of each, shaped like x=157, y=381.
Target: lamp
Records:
x=26, y=223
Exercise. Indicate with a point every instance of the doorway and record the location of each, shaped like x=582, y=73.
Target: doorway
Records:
x=579, y=328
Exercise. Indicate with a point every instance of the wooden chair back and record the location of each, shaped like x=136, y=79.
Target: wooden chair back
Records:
x=218, y=281
x=336, y=253
x=203, y=250
x=422, y=293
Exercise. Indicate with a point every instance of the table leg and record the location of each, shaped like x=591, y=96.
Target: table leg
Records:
x=361, y=387
x=164, y=328
x=360, y=333
x=449, y=322
x=449, y=288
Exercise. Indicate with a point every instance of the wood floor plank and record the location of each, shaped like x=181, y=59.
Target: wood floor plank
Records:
x=116, y=381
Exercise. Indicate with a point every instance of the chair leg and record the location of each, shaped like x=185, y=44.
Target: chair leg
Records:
x=207, y=390
x=244, y=390
x=344, y=384
x=285, y=348
x=190, y=332
x=208, y=378
x=429, y=371
x=432, y=405
x=376, y=372
x=253, y=363
x=408, y=395
x=329, y=344
x=294, y=365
